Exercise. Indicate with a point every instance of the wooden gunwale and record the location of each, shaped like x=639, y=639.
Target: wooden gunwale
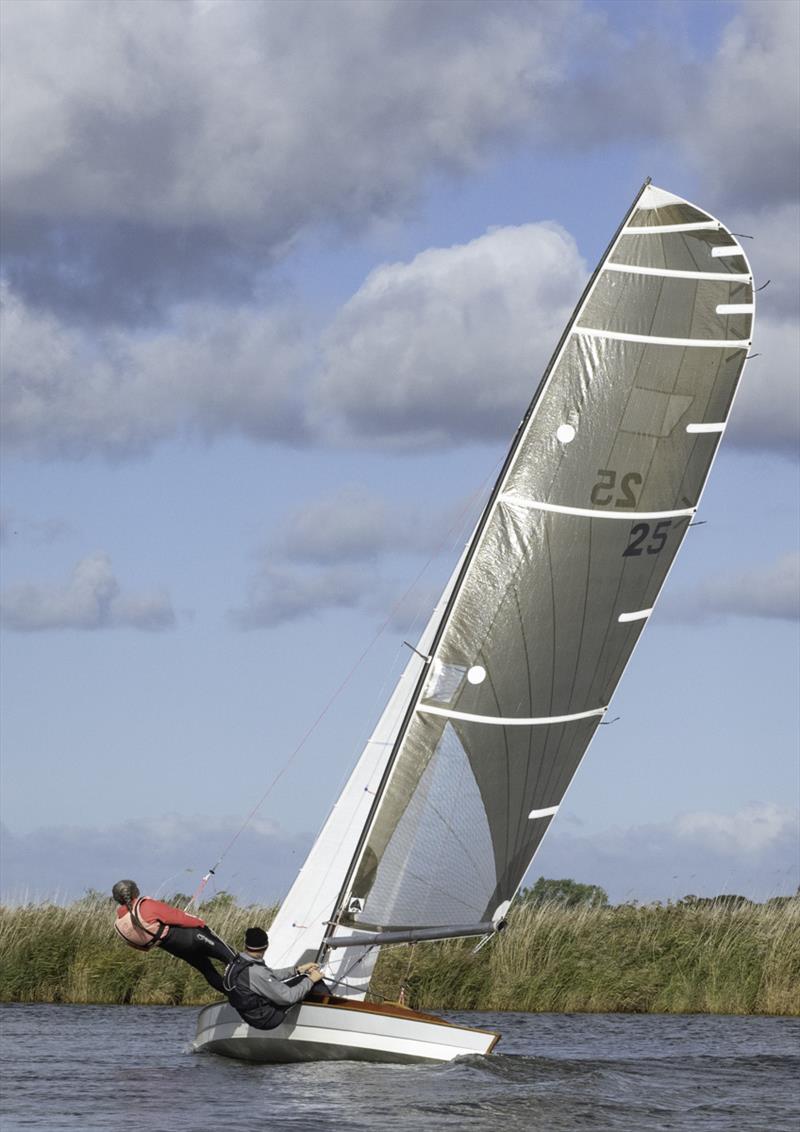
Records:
x=394, y=1010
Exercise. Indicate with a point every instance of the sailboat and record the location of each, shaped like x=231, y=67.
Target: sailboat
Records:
x=513, y=674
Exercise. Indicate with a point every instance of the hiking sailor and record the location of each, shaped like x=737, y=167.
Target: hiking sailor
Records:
x=144, y=923
x=260, y=995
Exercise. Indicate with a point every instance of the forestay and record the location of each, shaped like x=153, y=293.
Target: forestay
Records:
x=470, y=763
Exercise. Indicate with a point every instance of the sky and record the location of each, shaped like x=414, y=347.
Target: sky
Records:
x=278, y=281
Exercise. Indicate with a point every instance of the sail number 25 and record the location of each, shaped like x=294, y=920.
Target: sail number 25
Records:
x=652, y=535
x=603, y=492
x=645, y=538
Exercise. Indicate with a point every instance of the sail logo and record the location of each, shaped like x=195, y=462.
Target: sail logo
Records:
x=356, y=904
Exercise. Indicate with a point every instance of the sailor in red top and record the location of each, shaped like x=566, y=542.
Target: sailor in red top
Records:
x=144, y=923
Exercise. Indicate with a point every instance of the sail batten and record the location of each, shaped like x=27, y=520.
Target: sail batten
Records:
x=675, y=273
x=593, y=512
x=657, y=340
x=510, y=721
x=661, y=229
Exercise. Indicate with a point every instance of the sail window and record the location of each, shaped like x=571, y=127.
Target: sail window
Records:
x=444, y=681
x=565, y=433
x=476, y=674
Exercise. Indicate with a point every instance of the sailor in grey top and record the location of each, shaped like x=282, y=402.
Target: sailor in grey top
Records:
x=260, y=995
x=270, y=984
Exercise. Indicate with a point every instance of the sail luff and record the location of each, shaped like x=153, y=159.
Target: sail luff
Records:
x=471, y=550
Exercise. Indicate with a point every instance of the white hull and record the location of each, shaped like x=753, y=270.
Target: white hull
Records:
x=340, y=1030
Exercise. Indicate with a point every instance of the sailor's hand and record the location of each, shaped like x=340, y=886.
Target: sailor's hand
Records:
x=314, y=974
x=305, y=967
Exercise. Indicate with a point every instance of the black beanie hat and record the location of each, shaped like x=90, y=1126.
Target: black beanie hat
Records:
x=255, y=939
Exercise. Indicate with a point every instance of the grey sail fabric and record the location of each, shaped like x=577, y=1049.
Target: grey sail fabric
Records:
x=590, y=510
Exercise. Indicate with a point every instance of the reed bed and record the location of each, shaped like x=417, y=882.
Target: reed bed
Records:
x=703, y=958
x=683, y=958
x=71, y=953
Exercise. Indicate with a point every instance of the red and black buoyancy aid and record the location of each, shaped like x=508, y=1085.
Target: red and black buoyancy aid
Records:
x=256, y=1010
x=139, y=933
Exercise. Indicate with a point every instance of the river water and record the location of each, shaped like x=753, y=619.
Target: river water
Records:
x=87, y=1068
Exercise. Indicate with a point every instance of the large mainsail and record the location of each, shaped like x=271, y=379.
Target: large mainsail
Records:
x=449, y=803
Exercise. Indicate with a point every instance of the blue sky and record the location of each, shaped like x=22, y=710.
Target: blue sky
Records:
x=237, y=426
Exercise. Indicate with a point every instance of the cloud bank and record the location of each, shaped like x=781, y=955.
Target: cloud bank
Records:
x=91, y=599
x=332, y=553
x=165, y=854
x=165, y=148
x=769, y=591
x=159, y=160
x=449, y=347
x=753, y=852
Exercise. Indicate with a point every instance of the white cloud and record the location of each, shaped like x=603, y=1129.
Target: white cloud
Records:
x=214, y=370
x=766, y=415
x=767, y=411
x=91, y=599
x=755, y=829
x=769, y=591
x=450, y=346
x=165, y=854
x=741, y=131
x=331, y=554
x=348, y=526
x=270, y=116
x=280, y=593
x=753, y=852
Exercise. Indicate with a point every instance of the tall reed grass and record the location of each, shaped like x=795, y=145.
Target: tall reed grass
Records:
x=704, y=958
x=684, y=958
x=54, y=953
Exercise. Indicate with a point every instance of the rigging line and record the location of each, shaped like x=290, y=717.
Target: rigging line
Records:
x=312, y=728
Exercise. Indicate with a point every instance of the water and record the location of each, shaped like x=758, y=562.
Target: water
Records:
x=87, y=1068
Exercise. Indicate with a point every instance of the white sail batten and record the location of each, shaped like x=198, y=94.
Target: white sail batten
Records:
x=508, y=720
x=656, y=340
x=440, y=818
x=673, y=273
x=662, y=229
x=592, y=512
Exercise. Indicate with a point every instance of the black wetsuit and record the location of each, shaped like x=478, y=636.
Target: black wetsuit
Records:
x=197, y=947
